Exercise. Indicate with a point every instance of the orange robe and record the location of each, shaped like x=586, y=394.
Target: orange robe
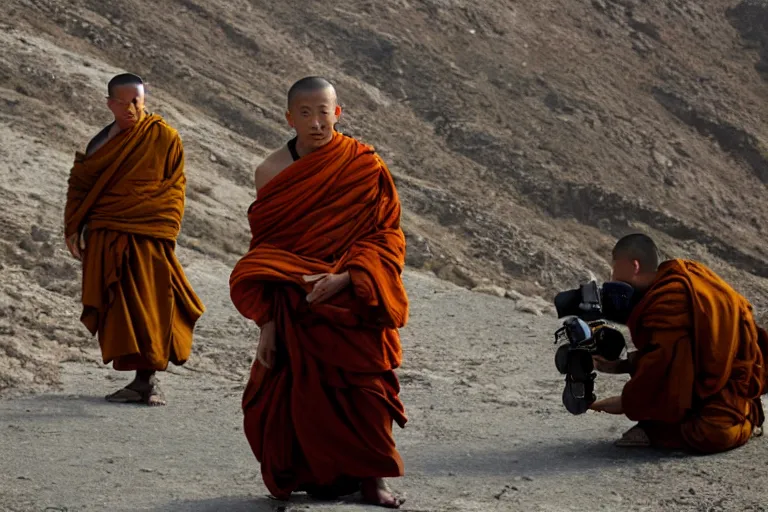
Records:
x=324, y=411
x=130, y=195
x=700, y=368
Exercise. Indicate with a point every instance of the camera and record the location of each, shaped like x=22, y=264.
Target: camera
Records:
x=586, y=333
x=612, y=301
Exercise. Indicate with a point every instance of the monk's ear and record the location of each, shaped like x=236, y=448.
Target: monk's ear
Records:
x=338, y=111
x=289, y=118
x=635, y=267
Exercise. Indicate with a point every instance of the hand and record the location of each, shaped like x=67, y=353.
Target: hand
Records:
x=76, y=246
x=267, y=349
x=606, y=366
x=610, y=405
x=326, y=286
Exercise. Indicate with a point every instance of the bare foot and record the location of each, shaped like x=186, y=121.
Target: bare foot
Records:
x=635, y=436
x=154, y=396
x=138, y=391
x=375, y=491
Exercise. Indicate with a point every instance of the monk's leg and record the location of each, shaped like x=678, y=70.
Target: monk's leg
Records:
x=634, y=437
x=149, y=385
x=665, y=436
x=143, y=330
x=342, y=486
x=375, y=491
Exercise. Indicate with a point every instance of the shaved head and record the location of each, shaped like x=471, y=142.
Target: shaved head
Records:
x=307, y=85
x=121, y=80
x=126, y=99
x=638, y=247
x=313, y=111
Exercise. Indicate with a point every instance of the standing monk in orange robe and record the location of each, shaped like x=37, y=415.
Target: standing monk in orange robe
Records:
x=699, y=371
x=322, y=280
x=124, y=208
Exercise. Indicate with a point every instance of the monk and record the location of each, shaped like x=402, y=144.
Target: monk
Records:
x=322, y=280
x=699, y=370
x=124, y=208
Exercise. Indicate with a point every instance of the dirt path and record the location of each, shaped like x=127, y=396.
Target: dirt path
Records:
x=487, y=430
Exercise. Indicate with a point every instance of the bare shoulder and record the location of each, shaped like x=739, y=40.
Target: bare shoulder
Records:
x=271, y=166
x=101, y=138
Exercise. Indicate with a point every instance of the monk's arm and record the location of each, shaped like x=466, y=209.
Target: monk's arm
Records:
x=661, y=386
x=377, y=261
x=77, y=190
x=174, y=160
x=375, y=269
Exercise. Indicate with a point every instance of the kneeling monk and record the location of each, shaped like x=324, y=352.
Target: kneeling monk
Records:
x=699, y=371
x=124, y=208
x=322, y=280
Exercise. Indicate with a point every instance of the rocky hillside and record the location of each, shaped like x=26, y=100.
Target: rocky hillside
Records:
x=524, y=136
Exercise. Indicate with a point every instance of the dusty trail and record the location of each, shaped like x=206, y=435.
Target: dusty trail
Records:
x=487, y=430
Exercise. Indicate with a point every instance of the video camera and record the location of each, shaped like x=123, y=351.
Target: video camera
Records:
x=586, y=333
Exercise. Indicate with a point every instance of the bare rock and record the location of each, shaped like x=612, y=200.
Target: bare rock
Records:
x=530, y=306
x=490, y=289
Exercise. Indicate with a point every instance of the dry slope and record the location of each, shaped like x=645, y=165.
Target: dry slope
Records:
x=524, y=136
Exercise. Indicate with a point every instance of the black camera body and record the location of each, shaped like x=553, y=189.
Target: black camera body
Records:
x=586, y=333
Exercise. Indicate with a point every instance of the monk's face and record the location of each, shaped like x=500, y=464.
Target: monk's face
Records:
x=127, y=105
x=313, y=115
x=627, y=271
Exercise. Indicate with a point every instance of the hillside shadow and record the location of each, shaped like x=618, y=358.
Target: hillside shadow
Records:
x=230, y=504
x=249, y=504
x=540, y=459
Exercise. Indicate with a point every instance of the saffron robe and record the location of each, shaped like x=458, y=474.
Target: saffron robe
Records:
x=324, y=411
x=700, y=367
x=130, y=195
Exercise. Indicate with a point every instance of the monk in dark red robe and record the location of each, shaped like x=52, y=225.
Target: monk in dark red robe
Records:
x=322, y=280
x=699, y=371
x=125, y=203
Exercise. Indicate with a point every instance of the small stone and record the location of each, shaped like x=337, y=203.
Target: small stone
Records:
x=514, y=295
x=39, y=235
x=28, y=245
x=213, y=158
x=662, y=160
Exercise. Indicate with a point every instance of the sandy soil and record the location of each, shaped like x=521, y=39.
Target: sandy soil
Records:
x=486, y=430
